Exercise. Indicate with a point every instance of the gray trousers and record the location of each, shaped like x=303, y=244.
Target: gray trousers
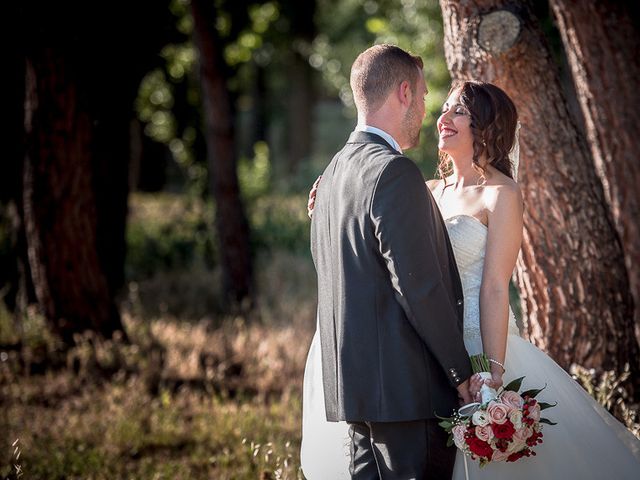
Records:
x=400, y=451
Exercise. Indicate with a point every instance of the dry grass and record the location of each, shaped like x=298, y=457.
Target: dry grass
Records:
x=608, y=388
x=234, y=415
x=214, y=398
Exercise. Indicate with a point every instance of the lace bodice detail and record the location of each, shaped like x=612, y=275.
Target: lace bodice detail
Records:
x=469, y=240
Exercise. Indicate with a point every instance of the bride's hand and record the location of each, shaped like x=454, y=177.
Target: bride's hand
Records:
x=495, y=381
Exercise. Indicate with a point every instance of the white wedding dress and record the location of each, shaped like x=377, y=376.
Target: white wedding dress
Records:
x=587, y=442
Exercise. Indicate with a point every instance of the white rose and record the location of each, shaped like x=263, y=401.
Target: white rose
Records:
x=480, y=418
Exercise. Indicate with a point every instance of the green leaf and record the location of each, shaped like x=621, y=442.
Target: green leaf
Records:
x=446, y=425
x=514, y=385
x=450, y=441
x=547, y=421
x=544, y=405
x=533, y=392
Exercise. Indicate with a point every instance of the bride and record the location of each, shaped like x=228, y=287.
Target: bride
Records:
x=482, y=207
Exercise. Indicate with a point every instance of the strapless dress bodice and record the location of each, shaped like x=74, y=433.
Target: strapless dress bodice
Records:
x=468, y=237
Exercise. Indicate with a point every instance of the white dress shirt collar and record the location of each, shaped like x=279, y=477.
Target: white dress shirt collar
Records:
x=381, y=133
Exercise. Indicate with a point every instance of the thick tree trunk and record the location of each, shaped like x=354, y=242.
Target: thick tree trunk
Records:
x=602, y=43
x=572, y=276
x=81, y=82
x=231, y=223
x=59, y=202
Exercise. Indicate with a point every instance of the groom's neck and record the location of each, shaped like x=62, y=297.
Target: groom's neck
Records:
x=383, y=122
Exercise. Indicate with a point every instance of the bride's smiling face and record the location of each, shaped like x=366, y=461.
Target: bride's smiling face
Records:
x=454, y=127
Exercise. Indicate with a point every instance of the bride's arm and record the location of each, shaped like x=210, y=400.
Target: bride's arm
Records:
x=503, y=243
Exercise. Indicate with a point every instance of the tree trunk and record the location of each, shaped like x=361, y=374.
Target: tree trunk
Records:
x=260, y=120
x=571, y=271
x=231, y=223
x=59, y=202
x=602, y=43
x=302, y=95
x=15, y=278
x=81, y=83
x=300, y=113
x=147, y=161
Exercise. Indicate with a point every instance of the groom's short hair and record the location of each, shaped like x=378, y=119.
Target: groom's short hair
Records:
x=377, y=71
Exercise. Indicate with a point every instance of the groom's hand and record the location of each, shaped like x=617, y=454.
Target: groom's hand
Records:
x=311, y=203
x=463, y=393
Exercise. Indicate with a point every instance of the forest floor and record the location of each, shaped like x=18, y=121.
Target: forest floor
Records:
x=177, y=401
x=172, y=409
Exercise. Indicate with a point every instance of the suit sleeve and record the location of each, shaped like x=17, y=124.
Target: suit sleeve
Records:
x=402, y=217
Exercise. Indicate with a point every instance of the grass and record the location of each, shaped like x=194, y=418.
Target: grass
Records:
x=233, y=415
x=120, y=431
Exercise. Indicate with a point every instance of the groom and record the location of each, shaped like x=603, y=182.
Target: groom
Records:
x=389, y=295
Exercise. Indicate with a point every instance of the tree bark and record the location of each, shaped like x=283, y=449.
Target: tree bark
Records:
x=602, y=44
x=231, y=222
x=59, y=201
x=571, y=271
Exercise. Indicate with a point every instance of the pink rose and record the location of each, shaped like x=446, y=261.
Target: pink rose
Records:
x=484, y=433
x=458, y=436
x=534, y=411
x=512, y=400
x=497, y=412
x=499, y=456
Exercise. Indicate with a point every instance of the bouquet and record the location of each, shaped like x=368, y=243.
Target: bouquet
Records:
x=504, y=427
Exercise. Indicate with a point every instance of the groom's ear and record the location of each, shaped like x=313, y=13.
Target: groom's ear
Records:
x=405, y=93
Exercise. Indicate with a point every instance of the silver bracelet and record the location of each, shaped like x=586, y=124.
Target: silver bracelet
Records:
x=498, y=363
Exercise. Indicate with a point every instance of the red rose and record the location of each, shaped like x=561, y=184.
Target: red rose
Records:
x=505, y=430
x=480, y=447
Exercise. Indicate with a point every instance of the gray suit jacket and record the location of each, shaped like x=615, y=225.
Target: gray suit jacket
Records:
x=389, y=295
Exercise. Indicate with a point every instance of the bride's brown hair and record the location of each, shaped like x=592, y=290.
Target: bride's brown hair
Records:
x=494, y=120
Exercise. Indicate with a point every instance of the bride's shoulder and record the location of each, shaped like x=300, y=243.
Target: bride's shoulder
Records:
x=503, y=189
